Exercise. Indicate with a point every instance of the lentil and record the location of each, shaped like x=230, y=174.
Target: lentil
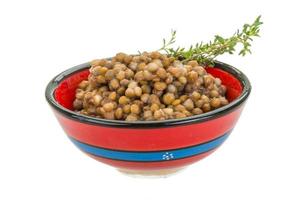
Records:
x=150, y=86
x=215, y=102
x=160, y=85
x=168, y=98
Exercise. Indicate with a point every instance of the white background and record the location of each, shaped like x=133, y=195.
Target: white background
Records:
x=39, y=39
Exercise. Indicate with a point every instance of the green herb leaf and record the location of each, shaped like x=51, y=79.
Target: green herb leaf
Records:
x=205, y=53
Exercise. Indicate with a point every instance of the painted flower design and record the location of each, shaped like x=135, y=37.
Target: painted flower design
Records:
x=167, y=156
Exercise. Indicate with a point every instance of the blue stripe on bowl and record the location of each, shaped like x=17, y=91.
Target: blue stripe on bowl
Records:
x=151, y=156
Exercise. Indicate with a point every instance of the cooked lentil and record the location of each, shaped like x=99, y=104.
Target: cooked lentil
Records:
x=150, y=86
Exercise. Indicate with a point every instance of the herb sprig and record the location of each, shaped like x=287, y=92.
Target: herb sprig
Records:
x=205, y=53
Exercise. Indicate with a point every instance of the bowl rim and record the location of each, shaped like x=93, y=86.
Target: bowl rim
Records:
x=219, y=112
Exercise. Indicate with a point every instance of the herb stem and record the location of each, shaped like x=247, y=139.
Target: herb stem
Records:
x=205, y=53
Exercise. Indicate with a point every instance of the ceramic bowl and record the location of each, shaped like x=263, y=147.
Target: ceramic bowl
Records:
x=148, y=147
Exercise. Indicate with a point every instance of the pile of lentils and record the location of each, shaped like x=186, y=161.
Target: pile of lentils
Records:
x=150, y=86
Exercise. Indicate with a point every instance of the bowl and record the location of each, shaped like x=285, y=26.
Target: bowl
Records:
x=148, y=147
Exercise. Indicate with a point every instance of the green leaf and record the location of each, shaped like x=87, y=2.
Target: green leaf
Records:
x=205, y=53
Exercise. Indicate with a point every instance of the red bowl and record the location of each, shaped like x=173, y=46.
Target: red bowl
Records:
x=148, y=145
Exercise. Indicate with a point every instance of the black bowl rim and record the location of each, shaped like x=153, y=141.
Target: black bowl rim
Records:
x=52, y=85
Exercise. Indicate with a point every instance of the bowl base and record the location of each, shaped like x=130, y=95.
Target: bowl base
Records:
x=160, y=173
